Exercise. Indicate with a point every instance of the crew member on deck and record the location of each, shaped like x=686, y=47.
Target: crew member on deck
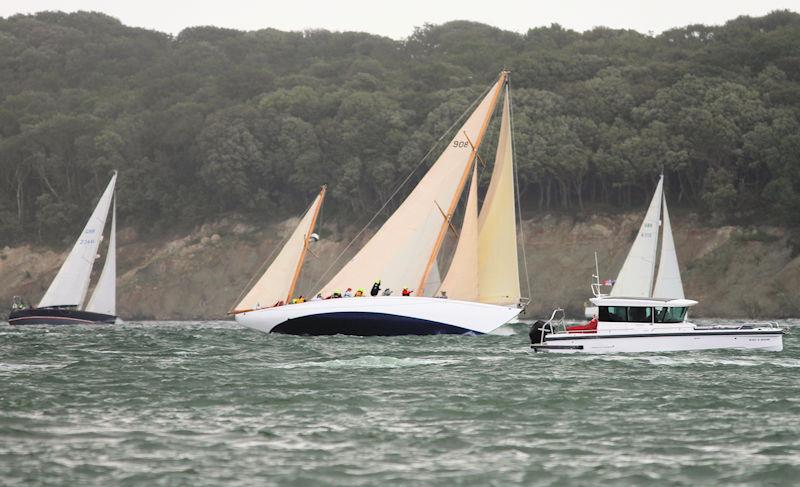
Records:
x=376, y=288
x=406, y=292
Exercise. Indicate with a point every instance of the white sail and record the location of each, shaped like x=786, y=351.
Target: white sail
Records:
x=668, y=281
x=72, y=281
x=461, y=281
x=104, y=296
x=277, y=281
x=498, y=263
x=399, y=253
x=635, y=280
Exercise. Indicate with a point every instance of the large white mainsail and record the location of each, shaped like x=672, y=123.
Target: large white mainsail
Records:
x=635, y=280
x=104, y=296
x=72, y=281
x=498, y=263
x=668, y=281
x=278, y=281
x=400, y=254
x=461, y=281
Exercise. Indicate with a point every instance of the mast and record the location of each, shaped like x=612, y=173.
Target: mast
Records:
x=460, y=188
x=305, y=243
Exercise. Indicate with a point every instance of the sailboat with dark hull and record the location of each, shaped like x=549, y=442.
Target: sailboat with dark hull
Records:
x=482, y=281
x=63, y=303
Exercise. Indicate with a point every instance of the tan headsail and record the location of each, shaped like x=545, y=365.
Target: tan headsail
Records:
x=498, y=263
x=402, y=252
x=279, y=280
x=461, y=281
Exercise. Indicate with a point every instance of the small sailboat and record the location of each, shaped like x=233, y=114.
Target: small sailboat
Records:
x=482, y=282
x=62, y=304
x=646, y=311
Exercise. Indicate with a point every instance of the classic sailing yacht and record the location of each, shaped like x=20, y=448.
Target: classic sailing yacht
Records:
x=482, y=282
x=646, y=310
x=62, y=304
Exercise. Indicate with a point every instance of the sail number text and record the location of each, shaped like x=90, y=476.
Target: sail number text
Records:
x=460, y=144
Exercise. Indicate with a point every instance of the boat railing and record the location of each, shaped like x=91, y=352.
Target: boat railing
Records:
x=745, y=326
x=556, y=323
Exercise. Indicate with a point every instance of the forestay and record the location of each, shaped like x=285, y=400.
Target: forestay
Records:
x=72, y=281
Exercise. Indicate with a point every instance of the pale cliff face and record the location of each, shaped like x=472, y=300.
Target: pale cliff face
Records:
x=733, y=272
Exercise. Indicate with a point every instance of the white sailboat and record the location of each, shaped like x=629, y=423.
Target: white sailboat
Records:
x=63, y=301
x=482, y=282
x=646, y=310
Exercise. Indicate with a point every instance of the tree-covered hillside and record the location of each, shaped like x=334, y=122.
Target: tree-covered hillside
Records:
x=214, y=120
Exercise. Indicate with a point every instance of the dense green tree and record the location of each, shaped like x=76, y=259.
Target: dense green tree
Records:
x=216, y=120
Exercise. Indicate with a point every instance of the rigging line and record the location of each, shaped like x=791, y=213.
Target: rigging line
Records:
x=261, y=269
x=516, y=179
x=401, y=185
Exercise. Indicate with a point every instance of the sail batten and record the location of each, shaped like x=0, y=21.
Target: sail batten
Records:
x=635, y=279
x=403, y=251
x=461, y=281
x=278, y=281
x=498, y=261
x=70, y=285
x=668, y=280
x=104, y=296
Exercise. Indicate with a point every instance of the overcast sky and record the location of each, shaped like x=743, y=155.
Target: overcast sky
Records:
x=397, y=18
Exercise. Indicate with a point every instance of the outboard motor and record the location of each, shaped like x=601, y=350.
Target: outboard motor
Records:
x=537, y=332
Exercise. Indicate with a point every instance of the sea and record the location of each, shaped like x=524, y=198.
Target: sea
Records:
x=213, y=404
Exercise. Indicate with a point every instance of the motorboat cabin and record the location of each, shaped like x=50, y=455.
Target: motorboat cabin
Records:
x=648, y=325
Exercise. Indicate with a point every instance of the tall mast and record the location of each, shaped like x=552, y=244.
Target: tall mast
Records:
x=305, y=244
x=464, y=177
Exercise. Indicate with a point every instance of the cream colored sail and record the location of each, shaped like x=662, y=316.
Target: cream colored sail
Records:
x=635, y=280
x=104, y=296
x=401, y=250
x=279, y=278
x=434, y=281
x=72, y=281
x=668, y=281
x=498, y=264
x=461, y=281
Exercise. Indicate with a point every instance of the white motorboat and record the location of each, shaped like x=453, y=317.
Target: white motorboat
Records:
x=628, y=325
x=482, y=284
x=646, y=311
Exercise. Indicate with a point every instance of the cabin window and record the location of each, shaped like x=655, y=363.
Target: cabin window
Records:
x=639, y=314
x=670, y=315
x=613, y=313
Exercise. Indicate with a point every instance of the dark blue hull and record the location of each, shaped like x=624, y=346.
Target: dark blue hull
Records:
x=59, y=316
x=366, y=324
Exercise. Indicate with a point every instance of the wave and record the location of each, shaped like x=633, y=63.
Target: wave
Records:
x=369, y=361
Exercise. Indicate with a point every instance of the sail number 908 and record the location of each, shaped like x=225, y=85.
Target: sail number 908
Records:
x=460, y=144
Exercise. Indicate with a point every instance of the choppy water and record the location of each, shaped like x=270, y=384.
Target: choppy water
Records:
x=214, y=404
